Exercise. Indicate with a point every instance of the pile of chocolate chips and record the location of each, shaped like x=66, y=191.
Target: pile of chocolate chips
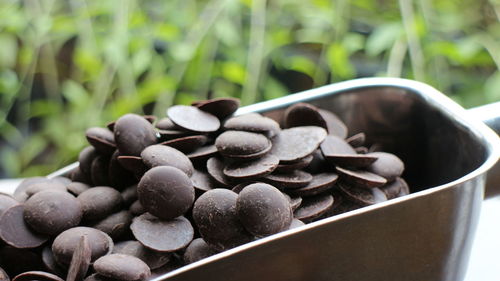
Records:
x=151, y=196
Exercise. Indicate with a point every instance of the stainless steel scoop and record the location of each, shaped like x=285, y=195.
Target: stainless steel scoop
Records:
x=424, y=236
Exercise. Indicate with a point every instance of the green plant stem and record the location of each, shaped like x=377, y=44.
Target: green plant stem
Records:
x=416, y=55
x=396, y=58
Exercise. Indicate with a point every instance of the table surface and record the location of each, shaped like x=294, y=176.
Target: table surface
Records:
x=483, y=263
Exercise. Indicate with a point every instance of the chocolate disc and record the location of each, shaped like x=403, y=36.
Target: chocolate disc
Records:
x=99, y=170
x=393, y=189
x=220, y=107
x=50, y=263
x=217, y=220
x=263, y=209
x=249, y=170
x=166, y=192
x=165, y=124
x=297, y=165
x=253, y=122
x=318, y=163
x=215, y=166
x=133, y=248
x=361, y=178
x=85, y=159
x=303, y=114
x=361, y=150
x=20, y=192
x=335, y=126
x=15, y=231
x=51, y=212
x=203, y=153
x=133, y=133
x=44, y=186
x=202, y=181
x=162, y=236
x=333, y=145
x=295, y=143
x=160, y=155
x=240, y=144
x=338, y=152
x=6, y=202
x=101, y=139
x=313, y=207
x=166, y=135
x=363, y=196
x=118, y=176
x=67, y=242
x=187, y=144
x=295, y=179
x=80, y=261
x=137, y=209
x=37, y=275
x=319, y=183
x=193, y=119
x=197, y=250
x=405, y=189
x=76, y=188
x=356, y=140
x=99, y=202
x=387, y=165
x=115, y=225
x=129, y=195
x=133, y=164
x=122, y=267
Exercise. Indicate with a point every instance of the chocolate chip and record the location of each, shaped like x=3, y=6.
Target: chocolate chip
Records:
x=50, y=263
x=76, y=188
x=240, y=144
x=220, y=107
x=133, y=248
x=137, y=209
x=361, y=178
x=85, y=159
x=338, y=152
x=253, y=169
x=46, y=185
x=51, y=212
x=101, y=139
x=295, y=143
x=197, y=250
x=215, y=166
x=133, y=164
x=263, y=209
x=129, y=195
x=297, y=165
x=37, y=275
x=303, y=114
x=215, y=215
x=99, y=202
x=387, y=165
x=335, y=126
x=122, y=267
x=314, y=207
x=253, y=122
x=294, y=179
x=15, y=231
x=333, y=145
x=166, y=192
x=6, y=202
x=202, y=153
x=99, y=170
x=67, y=242
x=202, y=181
x=363, y=196
x=118, y=176
x=356, y=140
x=193, y=119
x=160, y=235
x=133, y=133
x=160, y=155
x=295, y=202
x=239, y=187
x=20, y=192
x=187, y=144
x=319, y=183
x=318, y=163
x=80, y=260
x=166, y=135
x=115, y=225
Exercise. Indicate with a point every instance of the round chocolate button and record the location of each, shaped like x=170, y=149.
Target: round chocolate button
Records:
x=161, y=155
x=193, y=119
x=133, y=133
x=99, y=202
x=295, y=143
x=122, y=267
x=240, y=144
x=15, y=231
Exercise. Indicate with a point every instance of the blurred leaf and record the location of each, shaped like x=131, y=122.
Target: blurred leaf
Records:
x=141, y=61
x=274, y=89
x=233, y=72
x=8, y=54
x=166, y=31
x=301, y=64
x=383, y=38
x=88, y=62
x=492, y=87
x=9, y=83
x=338, y=60
x=41, y=108
x=75, y=93
x=184, y=98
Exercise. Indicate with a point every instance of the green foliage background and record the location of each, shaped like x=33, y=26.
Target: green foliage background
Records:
x=69, y=65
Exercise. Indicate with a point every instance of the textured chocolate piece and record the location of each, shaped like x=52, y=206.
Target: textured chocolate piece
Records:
x=387, y=165
x=295, y=143
x=202, y=181
x=220, y=107
x=193, y=119
x=99, y=202
x=85, y=159
x=101, y=139
x=133, y=248
x=67, y=242
x=187, y=144
x=166, y=192
x=335, y=126
x=215, y=215
x=319, y=183
x=263, y=209
x=15, y=231
x=45, y=185
x=215, y=166
x=76, y=188
x=129, y=195
x=50, y=263
x=99, y=170
x=303, y=114
x=297, y=165
x=161, y=155
x=314, y=207
x=240, y=144
x=249, y=170
x=136, y=208
x=51, y=212
x=122, y=267
x=133, y=133
x=80, y=261
x=133, y=164
x=165, y=124
x=362, y=196
x=361, y=178
x=115, y=225
x=294, y=179
x=253, y=122
x=203, y=153
x=161, y=235
x=197, y=250
x=118, y=176
x=6, y=202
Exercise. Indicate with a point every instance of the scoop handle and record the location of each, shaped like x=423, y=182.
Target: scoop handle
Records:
x=490, y=115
